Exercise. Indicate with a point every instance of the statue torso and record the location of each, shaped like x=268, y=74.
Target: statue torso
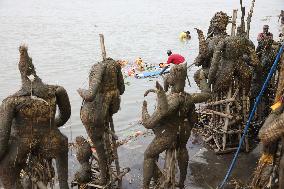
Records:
x=176, y=120
x=109, y=79
x=34, y=113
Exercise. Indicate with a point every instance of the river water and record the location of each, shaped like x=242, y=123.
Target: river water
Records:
x=63, y=40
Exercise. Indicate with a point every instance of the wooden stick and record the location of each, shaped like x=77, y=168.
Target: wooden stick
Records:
x=216, y=142
x=228, y=150
x=249, y=17
x=234, y=25
x=217, y=113
x=209, y=138
x=103, y=48
x=220, y=102
x=225, y=128
x=115, y=153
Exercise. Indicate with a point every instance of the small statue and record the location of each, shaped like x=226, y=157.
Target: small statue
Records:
x=84, y=154
x=28, y=125
x=174, y=117
x=100, y=102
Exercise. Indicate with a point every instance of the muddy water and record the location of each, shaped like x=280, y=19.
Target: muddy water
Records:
x=63, y=41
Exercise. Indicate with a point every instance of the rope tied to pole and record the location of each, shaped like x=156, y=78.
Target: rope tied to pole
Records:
x=257, y=100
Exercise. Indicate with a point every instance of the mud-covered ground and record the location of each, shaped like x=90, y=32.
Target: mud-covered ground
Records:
x=205, y=171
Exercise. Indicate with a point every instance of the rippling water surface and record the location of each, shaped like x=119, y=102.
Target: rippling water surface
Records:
x=63, y=41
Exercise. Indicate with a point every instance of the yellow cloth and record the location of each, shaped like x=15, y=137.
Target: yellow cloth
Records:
x=276, y=105
x=183, y=36
x=266, y=158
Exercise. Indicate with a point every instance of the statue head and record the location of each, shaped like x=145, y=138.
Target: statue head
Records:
x=25, y=65
x=176, y=78
x=218, y=23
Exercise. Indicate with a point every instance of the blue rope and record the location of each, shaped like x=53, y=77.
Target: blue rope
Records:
x=272, y=70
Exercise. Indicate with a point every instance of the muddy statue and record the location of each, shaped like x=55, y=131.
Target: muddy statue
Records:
x=100, y=102
x=28, y=125
x=171, y=122
x=232, y=59
x=216, y=33
x=83, y=155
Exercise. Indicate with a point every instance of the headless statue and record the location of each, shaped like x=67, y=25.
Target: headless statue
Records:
x=171, y=122
x=28, y=125
x=100, y=102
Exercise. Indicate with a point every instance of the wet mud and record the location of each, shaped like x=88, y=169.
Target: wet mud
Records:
x=206, y=170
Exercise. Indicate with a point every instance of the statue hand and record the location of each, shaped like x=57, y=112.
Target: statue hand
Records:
x=144, y=103
x=149, y=91
x=81, y=92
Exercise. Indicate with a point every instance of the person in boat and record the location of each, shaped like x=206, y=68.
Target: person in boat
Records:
x=173, y=59
x=185, y=36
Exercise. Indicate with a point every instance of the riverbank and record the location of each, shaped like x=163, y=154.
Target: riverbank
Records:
x=205, y=171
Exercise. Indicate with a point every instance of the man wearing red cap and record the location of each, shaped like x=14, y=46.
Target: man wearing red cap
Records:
x=173, y=59
x=265, y=34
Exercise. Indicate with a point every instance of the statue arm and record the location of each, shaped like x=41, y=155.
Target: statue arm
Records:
x=94, y=83
x=64, y=107
x=162, y=109
x=202, y=57
x=120, y=79
x=272, y=129
x=151, y=121
x=254, y=61
x=200, y=97
x=6, y=118
x=215, y=62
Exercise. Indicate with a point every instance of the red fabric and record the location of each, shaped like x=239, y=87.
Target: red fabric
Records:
x=175, y=59
x=262, y=36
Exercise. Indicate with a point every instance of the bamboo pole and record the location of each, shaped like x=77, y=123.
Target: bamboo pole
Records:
x=249, y=17
x=227, y=111
x=280, y=87
x=115, y=153
x=234, y=22
x=103, y=48
x=217, y=113
x=220, y=102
